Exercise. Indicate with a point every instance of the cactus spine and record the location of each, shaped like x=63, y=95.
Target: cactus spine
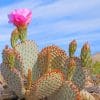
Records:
x=86, y=56
x=72, y=48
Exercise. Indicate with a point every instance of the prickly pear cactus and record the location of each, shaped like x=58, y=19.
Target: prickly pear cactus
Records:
x=72, y=48
x=48, y=84
x=13, y=79
x=8, y=56
x=28, y=53
x=68, y=91
x=78, y=77
x=86, y=56
x=12, y=59
x=50, y=57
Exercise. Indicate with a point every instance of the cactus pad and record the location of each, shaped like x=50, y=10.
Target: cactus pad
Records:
x=68, y=91
x=51, y=57
x=72, y=48
x=86, y=56
x=8, y=56
x=78, y=76
x=12, y=59
x=13, y=79
x=48, y=83
x=28, y=52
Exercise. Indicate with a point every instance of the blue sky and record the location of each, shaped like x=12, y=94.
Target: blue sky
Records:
x=56, y=22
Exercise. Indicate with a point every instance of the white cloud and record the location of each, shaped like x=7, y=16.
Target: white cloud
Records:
x=66, y=40
x=66, y=27
x=64, y=7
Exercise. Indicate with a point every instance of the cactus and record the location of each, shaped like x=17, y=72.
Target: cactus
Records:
x=22, y=57
x=86, y=61
x=14, y=37
x=16, y=59
x=86, y=56
x=50, y=57
x=23, y=33
x=18, y=62
x=68, y=91
x=71, y=69
x=78, y=77
x=14, y=80
x=28, y=53
x=20, y=33
x=48, y=74
x=72, y=48
x=9, y=57
x=12, y=59
x=48, y=84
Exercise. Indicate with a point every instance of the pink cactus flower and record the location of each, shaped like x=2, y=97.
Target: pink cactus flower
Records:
x=20, y=17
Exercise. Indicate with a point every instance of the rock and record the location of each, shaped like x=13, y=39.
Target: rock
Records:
x=94, y=89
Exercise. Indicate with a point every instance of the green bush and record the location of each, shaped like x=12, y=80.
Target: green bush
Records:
x=96, y=68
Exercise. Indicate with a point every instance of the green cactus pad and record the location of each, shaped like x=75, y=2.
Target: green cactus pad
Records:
x=72, y=48
x=14, y=80
x=68, y=91
x=86, y=56
x=9, y=56
x=78, y=76
x=48, y=84
x=28, y=53
x=12, y=59
x=55, y=61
